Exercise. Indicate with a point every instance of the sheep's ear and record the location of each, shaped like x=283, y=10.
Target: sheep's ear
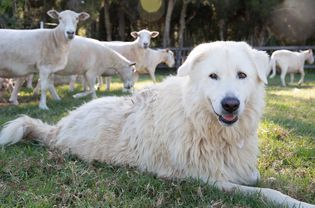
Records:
x=261, y=60
x=83, y=16
x=310, y=51
x=154, y=34
x=134, y=34
x=53, y=14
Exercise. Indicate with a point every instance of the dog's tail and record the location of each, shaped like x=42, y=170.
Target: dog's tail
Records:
x=272, y=67
x=26, y=127
x=271, y=195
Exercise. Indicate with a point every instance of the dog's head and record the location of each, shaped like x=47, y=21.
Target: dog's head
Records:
x=226, y=74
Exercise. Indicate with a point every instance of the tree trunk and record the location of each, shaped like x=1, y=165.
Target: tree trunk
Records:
x=221, y=29
x=166, y=36
x=14, y=8
x=107, y=21
x=182, y=23
x=122, y=23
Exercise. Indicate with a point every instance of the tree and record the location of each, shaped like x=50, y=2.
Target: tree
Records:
x=166, y=35
x=107, y=21
x=182, y=23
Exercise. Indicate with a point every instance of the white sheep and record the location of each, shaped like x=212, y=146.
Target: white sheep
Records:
x=136, y=50
x=151, y=59
x=43, y=51
x=90, y=58
x=290, y=62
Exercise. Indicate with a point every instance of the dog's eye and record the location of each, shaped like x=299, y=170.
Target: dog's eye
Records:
x=241, y=75
x=213, y=76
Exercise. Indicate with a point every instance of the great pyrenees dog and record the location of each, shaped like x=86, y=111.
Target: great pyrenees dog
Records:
x=201, y=123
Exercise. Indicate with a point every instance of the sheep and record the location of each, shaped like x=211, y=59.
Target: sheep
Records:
x=90, y=58
x=150, y=61
x=290, y=62
x=136, y=50
x=45, y=51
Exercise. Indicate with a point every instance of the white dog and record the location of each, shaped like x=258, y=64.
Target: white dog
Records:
x=201, y=124
x=290, y=62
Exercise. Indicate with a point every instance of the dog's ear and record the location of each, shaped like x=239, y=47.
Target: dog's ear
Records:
x=195, y=56
x=184, y=69
x=261, y=61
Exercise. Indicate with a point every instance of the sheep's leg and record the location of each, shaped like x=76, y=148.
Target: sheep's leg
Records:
x=282, y=76
x=84, y=84
x=91, y=81
x=108, y=81
x=52, y=88
x=18, y=83
x=302, y=76
x=99, y=82
x=30, y=81
x=37, y=87
x=152, y=75
x=44, y=83
x=291, y=78
x=72, y=82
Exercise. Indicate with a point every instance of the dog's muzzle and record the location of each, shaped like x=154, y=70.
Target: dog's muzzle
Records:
x=230, y=107
x=229, y=114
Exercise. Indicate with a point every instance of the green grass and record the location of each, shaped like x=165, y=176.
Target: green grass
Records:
x=34, y=176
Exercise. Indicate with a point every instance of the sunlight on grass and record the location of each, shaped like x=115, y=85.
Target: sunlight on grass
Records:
x=303, y=93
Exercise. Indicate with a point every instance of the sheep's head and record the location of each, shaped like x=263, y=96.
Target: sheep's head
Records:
x=68, y=21
x=143, y=37
x=170, y=59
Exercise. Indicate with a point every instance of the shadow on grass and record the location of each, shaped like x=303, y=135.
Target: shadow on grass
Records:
x=296, y=115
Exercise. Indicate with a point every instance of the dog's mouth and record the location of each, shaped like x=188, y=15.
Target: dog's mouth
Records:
x=228, y=119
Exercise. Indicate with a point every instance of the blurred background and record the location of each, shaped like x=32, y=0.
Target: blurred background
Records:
x=181, y=23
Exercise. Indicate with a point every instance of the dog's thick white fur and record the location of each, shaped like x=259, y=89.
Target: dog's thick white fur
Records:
x=290, y=62
x=200, y=124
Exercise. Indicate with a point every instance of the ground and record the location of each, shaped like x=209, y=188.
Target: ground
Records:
x=33, y=176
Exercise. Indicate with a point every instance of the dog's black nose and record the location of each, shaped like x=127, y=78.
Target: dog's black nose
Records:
x=230, y=104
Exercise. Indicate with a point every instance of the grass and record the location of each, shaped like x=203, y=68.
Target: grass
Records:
x=34, y=176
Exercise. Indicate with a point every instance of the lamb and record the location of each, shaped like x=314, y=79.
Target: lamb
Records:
x=290, y=62
x=91, y=58
x=150, y=61
x=43, y=51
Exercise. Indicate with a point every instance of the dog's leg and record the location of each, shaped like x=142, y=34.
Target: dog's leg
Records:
x=269, y=194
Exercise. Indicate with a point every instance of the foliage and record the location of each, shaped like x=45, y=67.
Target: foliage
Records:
x=206, y=20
